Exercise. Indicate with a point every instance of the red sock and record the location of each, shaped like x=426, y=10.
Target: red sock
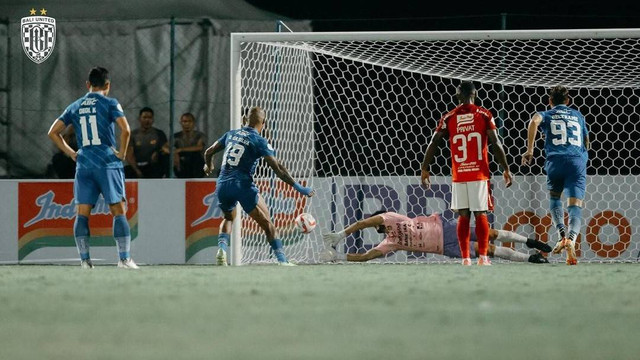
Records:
x=463, y=235
x=482, y=233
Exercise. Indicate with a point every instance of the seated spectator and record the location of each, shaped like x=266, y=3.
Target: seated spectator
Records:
x=189, y=146
x=145, y=156
x=63, y=166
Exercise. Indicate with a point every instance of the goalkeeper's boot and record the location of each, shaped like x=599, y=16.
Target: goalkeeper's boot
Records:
x=560, y=245
x=572, y=259
x=538, y=258
x=86, y=264
x=536, y=244
x=466, y=262
x=483, y=260
x=331, y=239
x=328, y=255
x=221, y=258
x=127, y=264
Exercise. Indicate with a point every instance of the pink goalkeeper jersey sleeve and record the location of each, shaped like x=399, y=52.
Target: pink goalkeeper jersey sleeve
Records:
x=423, y=234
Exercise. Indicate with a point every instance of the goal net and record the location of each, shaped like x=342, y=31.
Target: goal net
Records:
x=351, y=114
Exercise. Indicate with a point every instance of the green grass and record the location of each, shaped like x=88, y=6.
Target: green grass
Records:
x=508, y=311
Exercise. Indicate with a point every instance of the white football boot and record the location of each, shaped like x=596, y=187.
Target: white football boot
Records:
x=127, y=264
x=221, y=258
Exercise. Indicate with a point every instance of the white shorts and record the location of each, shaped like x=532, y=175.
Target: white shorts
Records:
x=472, y=195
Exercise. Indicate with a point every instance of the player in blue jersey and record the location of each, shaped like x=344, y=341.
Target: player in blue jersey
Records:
x=99, y=167
x=242, y=150
x=566, y=147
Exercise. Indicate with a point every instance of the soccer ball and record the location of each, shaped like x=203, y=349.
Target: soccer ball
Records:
x=305, y=223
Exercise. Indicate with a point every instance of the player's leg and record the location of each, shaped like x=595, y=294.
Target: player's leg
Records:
x=479, y=203
x=226, y=194
x=260, y=213
x=460, y=204
x=86, y=192
x=507, y=253
x=510, y=236
x=555, y=184
x=575, y=186
x=112, y=187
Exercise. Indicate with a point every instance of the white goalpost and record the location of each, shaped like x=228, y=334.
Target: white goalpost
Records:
x=351, y=114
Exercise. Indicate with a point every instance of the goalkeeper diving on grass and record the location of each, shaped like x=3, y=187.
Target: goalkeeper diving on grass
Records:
x=428, y=234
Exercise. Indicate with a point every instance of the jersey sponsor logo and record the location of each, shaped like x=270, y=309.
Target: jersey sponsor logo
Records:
x=89, y=102
x=38, y=34
x=46, y=212
x=465, y=123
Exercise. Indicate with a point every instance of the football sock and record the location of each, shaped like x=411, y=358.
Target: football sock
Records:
x=276, y=246
x=557, y=215
x=464, y=234
x=510, y=254
x=223, y=242
x=575, y=221
x=122, y=234
x=482, y=233
x=81, y=235
x=510, y=236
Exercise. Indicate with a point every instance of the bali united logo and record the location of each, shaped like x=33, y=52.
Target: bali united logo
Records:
x=38, y=35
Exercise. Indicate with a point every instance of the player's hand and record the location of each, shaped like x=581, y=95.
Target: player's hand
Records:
x=526, y=158
x=426, y=182
x=306, y=191
x=508, y=180
x=208, y=169
x=118, y=154
x=74, y=156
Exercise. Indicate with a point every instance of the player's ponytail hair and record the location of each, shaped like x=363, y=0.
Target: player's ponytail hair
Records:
x=558, y=95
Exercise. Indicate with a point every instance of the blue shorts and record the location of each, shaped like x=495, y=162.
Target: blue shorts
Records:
x=229, y=193
x=90, y=183
x=567, y=173
x=450, y=245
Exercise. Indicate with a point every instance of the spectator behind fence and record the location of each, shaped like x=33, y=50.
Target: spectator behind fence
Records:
x=146, y=159
x=63, y=166
x=188, y=161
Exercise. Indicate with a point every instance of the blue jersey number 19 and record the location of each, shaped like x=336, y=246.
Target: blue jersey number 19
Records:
x=233, y=154
x=95, y=138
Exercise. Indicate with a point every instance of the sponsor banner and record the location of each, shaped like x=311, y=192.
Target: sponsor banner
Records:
x=47, y=211
x=203, y=215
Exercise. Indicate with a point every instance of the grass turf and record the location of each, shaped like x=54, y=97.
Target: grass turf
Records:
x=508, y=311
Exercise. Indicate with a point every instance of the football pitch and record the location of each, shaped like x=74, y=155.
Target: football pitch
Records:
x=370, y=311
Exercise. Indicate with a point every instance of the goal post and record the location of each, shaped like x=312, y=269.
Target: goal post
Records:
x=351, y=113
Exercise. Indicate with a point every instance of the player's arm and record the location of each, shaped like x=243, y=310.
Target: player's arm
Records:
x=215, y=148
x=585, y=135
x=501, y=157
x=371, y=222
x=369, y=255
x=283, y=174
x=125, y=137
x=531, y=138
x=132, y=161
x=436, y=141
x=55, y=134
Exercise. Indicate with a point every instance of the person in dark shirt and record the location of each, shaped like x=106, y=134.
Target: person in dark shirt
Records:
x=189, y=148
x=146, y=158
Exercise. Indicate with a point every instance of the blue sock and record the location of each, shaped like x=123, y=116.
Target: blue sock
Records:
x=122, y=234
x=276, y=246
x=575, y=221
x=81, y=234
x=557, y=215
x=223, y=241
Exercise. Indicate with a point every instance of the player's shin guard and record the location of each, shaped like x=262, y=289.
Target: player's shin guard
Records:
x=223, y=242
x=81, y=234
x=557, y=215
x=482, y=234
x=464, y=233
x=276, y=246
x=575, y=221
x=122, y=234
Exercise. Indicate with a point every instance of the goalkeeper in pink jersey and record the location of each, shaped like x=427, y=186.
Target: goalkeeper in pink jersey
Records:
x=429, y=234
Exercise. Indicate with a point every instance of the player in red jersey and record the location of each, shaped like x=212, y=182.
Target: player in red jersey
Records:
x=469, y=129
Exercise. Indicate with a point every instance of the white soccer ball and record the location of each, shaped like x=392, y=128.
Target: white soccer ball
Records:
x=305, y=223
